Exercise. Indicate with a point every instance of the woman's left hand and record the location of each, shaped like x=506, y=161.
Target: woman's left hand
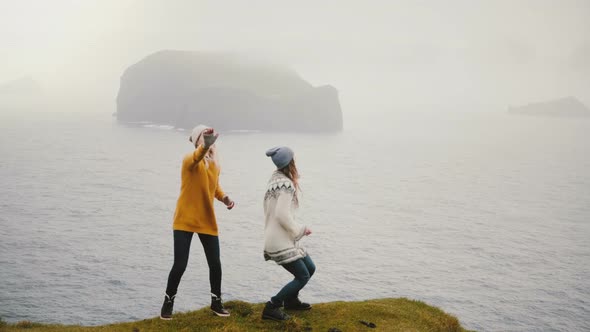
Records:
x=228, y=202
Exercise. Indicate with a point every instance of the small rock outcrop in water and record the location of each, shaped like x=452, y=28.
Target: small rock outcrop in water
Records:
x=225, y=91
x=568, y=106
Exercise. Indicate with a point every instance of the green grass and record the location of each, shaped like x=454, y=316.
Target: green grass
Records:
x=388, y=314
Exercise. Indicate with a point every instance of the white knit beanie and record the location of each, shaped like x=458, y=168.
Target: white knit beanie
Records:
x=196, y=132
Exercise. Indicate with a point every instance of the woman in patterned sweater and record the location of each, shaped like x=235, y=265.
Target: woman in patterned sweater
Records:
x=282, y=234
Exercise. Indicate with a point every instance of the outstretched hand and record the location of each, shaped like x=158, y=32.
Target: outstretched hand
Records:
x=209, y=137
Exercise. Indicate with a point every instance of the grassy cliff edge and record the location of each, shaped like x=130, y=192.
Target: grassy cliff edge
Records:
x=399, y=314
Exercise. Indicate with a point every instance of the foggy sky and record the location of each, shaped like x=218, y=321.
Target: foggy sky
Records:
x=379, y=54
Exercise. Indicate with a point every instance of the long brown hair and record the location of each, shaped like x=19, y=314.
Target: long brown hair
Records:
x=291, y=172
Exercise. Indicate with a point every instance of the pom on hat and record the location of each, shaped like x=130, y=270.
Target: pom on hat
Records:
x=281, y=156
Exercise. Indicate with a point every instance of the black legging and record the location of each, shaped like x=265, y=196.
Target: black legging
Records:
x=182, y=245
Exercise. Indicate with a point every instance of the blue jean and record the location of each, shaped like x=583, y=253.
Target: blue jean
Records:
x=302, y=269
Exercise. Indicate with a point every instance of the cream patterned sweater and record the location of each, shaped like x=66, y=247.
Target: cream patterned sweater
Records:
x=281, y=232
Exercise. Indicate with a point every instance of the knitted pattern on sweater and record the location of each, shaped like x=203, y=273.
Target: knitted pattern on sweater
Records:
x=277, y=184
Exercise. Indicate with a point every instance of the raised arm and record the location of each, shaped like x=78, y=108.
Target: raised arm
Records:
x=209, y=138
x=196, y=157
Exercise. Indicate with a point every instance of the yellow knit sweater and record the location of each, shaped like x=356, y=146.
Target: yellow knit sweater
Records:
x=199, y=185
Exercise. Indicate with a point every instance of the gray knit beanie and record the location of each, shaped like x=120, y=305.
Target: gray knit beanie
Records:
x=280, y=155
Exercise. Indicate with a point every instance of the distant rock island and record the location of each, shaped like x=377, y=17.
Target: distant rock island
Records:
x=566, y=107
x=226, y=91
x=22, y=93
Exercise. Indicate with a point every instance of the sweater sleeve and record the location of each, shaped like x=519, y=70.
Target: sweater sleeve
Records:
x=285, y=218
x=219, y=193
x=197, y=157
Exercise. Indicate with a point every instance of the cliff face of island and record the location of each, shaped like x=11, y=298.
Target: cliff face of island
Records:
x=563, y=107
x=225, y=91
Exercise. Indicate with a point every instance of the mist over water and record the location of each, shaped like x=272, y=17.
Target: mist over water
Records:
x=484, y=215
x=402, y=53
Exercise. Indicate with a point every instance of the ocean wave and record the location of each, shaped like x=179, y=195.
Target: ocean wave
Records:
x=156, y=126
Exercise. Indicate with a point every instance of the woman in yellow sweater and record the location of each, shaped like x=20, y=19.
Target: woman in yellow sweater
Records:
x=195, y=214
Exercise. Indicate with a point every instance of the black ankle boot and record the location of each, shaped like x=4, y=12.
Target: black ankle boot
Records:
x=217, y=306
x=167, y=307
x=274, y=312
x=296, y=304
